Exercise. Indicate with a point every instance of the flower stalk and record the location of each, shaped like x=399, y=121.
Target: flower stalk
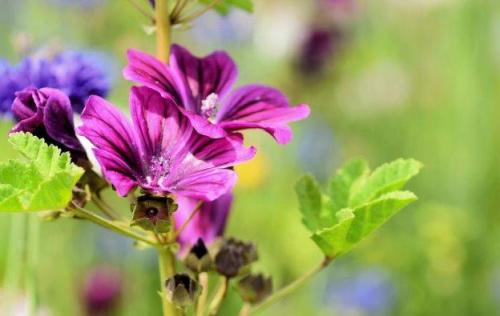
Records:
x=163, y=30
x=287, y=290
x=219, y=297
x=166, y=262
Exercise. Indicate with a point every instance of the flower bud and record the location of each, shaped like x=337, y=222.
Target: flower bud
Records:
x=153, y=213
x=254, y=288
x=198, y=259
x=182, y=290
x=234, y=256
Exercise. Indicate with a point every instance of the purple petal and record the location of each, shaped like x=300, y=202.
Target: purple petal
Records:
x=58, y=120
x=150, y=72
x=258, y=106
x=28, y=109
x=200, y=77
x=115, y=142
x=208, y=224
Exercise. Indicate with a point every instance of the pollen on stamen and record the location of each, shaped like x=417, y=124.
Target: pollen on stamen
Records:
x=210, y=106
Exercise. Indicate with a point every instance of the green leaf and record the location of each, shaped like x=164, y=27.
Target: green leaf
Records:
x=224, y=6
x=386, y=178
x=311, y=202
x=355, y=224
x=42, y=182
x=350, y=176
x=357, y=202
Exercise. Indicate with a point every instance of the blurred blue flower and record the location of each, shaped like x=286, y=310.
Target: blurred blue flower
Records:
x=77, y=74
x=369, y=292
x=318, y=150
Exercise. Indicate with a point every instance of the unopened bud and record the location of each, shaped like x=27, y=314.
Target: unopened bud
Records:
x=234, y=257
x=198, y=259
x=255, y=288
x=182, y=290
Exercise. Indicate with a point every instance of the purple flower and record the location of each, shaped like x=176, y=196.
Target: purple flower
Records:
x=101, y=291
x=201, y=86
x=160, y=151
x=77, y=74
x=47, y=113
x=318, y=48
x=208, y=224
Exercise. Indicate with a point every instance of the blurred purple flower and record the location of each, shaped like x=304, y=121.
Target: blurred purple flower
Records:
x=208, y=224
x=318, y=48
x=200, y=86
x=369, y=292
x=77, y=74
x=160, y=151
x=47, y=113
x=101, y=292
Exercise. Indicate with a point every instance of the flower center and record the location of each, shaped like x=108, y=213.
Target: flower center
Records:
x=210, y=107
x=159, y=168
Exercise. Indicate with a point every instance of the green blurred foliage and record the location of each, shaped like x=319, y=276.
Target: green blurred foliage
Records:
x=413, y=79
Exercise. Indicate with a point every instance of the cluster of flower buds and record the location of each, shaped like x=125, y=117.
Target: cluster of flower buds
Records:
x=232, y=259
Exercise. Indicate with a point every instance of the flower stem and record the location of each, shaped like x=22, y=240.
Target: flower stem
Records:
x=33, y=246
x=112, y=225
x=163, y=30
x=166, y=264
x=219, y=297
x=245, y=309
x=105, y=208
x=200, y=308
x=279, y=295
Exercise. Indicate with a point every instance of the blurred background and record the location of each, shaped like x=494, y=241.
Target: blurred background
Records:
x=385, y=79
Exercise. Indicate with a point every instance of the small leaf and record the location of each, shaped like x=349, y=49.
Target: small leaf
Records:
x=388, y=177
x=310, y=201
x=354, y=225
x=351, y=175
x=43, y=182
x=224, y=6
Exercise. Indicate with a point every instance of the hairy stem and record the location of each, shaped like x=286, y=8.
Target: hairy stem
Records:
x=112, y=225
x=163, y=30
x=219, y=297
x=279, y=295
x=200, y=308
x=166, y=264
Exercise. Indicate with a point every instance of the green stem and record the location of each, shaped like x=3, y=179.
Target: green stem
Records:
x=33, y=246
x=166, y=262
x=279, y=295
x=245, y=309
x=163, y=32
x=112, y=225
x=105, y=208
x=200, y=308
x=219, y=297
x=199, y=13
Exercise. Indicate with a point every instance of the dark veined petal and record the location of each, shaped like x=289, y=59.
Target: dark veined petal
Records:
x=202, y=174
x=58, y=119
x=150, y=72
x=28, y=109
x=208, y=224
x=177, y=159
x=200, y=77
x=116, y=144
x=258, y=106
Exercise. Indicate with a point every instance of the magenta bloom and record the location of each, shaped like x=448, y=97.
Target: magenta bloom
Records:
x=208, y=224
x=201, y=86
x=47, y=113
x=160, y=151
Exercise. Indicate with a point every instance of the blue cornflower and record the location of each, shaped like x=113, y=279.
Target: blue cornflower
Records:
x=77, y=74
